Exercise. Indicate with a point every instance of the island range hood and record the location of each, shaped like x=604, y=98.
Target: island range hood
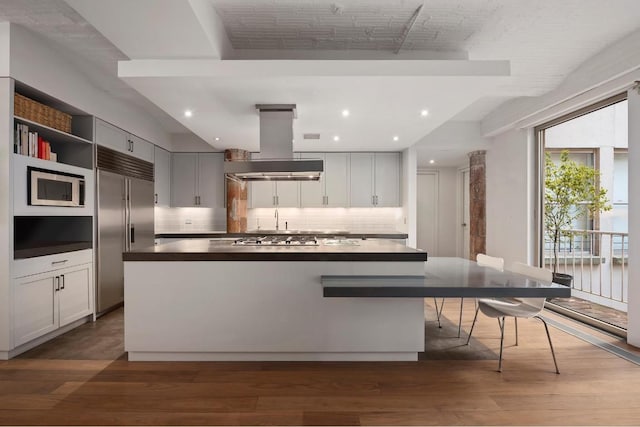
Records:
x=276, y=162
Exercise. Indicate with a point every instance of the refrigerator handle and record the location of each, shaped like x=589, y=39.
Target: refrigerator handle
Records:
x=133, y=234
x=128, y=214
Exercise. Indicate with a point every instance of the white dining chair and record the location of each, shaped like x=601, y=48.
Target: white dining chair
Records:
x=500, y=308
x=483, y=260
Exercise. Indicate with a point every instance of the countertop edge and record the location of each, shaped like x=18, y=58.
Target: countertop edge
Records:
x=207, y=256
x=223, y=235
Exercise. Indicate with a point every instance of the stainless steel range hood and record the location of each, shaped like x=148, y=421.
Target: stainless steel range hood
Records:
x=276, y=161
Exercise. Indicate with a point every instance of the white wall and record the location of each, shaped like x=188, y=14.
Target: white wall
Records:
x=409, y=188
x=509, y=210
x=5, y=49
x=42, y=65
x=6, y=210
x=189, y=143
x=633, y=331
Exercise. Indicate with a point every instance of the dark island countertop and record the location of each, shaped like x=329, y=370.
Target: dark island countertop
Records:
x=326, y=233
x=224, y=250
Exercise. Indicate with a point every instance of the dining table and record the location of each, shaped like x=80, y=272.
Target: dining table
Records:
x=447, y=277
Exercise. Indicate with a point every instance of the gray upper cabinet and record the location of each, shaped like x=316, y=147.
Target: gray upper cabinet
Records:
x=332, y=188
x=184, y=173
x=197, y=179
x=273, y=194
x=117, y=139
x=162, y=175
x=387, y=179
x=375, y=179
x=211, y=180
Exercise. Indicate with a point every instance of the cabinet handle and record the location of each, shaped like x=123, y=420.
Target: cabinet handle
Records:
x=156, y=198
x=56, y=281
x=62, y=281
x=373, y=200
x=59, y=262
x=133, y=147
x=278, y=200
x=195, y=200
x=199, y=201
x=273, y=200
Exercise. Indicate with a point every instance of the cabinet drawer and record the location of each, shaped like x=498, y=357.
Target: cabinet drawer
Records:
x=36, y=265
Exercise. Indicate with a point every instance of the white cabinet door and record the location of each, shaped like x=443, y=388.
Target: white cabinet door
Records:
x=112, y=137
x=35, y=308
x=312, y=192
x=140, y=148
x=162, y=172
x=262, y=194
x=336, y=179
x=183, y=179
x=287, y=194
x=387, y=179
x=75, y=297
x=210, y=186
x=361, y=183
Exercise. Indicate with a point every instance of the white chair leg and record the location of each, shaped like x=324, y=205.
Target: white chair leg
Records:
x=516, y=320
x=501, y=343
x=473, y=324
x=553, y=353
x=460, y=318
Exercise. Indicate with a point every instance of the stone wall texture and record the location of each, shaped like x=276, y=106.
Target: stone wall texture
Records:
x=236, y=196
x=477, y=204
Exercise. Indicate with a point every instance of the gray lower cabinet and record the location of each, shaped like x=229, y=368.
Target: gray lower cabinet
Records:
x=197, y=179
x=47, y=301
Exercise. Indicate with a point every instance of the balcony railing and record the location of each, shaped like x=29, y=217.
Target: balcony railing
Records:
x=597, y=260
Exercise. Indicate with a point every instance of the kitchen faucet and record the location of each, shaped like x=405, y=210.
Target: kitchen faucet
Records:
x=277, y=219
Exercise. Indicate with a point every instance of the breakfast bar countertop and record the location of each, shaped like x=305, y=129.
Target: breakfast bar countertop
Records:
x=326, y=250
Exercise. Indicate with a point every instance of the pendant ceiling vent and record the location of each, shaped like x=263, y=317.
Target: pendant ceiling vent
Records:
x=276, y=162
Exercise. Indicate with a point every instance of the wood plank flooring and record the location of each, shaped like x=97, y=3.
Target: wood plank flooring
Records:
x=77, y=379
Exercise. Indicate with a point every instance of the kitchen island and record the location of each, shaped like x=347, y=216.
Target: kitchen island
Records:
x=213, y=300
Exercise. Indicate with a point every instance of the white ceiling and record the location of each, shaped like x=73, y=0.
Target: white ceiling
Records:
x=543, y=40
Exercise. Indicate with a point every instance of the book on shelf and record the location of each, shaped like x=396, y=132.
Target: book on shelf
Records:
x=31, y=144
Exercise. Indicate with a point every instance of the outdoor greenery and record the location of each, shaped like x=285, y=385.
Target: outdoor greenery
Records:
x=571, y=191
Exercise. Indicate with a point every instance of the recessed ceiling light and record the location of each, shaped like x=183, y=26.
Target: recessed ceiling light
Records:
x=345, y=113
x=217, y=138
x=396, y=138
x=336, y=138
x=424, y=113
x=188, y=113
x=432, y=161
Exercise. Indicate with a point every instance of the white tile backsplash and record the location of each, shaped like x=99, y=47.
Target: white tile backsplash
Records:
x=357, y=220
x=169, y=220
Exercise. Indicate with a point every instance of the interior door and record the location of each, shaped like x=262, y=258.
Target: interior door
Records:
x=465, y=215
x=111, y=239
x=141, y=234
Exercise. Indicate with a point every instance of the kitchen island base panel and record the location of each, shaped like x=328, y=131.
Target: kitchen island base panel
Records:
x=274, y=310
x=142, y=356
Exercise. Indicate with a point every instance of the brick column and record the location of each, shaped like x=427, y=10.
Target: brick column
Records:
x=477, y=204
x=236, y=196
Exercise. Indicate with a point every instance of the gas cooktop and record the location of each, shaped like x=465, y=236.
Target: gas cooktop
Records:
x=277, y=241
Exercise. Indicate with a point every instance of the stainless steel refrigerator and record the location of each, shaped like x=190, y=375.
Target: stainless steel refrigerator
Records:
x=125, y=196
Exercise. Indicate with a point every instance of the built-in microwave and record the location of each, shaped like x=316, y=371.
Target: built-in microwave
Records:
x=53, y=188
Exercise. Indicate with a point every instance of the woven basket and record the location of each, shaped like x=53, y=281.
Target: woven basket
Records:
x=40, y=113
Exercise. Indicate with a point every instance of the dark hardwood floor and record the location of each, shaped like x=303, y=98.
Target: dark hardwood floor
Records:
x=84, y=378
